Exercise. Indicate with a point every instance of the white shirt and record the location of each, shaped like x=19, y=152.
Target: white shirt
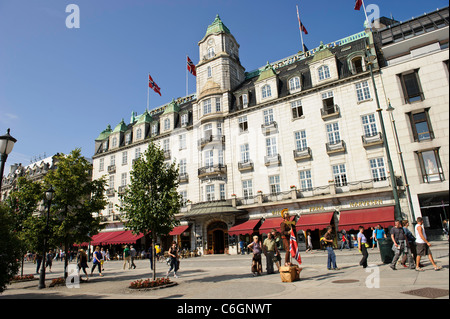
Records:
x=419, y=239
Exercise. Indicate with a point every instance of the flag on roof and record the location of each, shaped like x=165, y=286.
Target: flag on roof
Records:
x=191, y=67
x=358, y=4
x=153, y=85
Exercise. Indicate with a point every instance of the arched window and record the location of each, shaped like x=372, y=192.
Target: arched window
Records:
x=324, y=72
x=167, y=124
x=266, y=91
x=357, y=65
x=210, y=52
x=294, y=84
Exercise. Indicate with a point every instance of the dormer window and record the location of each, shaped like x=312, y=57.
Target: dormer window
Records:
x=357, y=65
x=155, y=129
x=243, y=100
x=294, y=84
x=138, y=133
x=324, y=72
x=114, y=142
x=166, y=124
x=266, y=91
x=184, y=119
x=128, y=139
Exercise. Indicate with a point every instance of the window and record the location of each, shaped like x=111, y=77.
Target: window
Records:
x=105, y=146
x=324, y=72
x=184, y=198
x=218, y=106
x=305, y=180
x=357, y=65
x=207, y=106
x=274, y=184
x=243, y=99
x=123, y=180
x=412, y=90
x=328, y=102
x=112, y=160
x=137, y=153
x=340, y=175
x=266, y=91
x=297, y=109
x=166, y=145
x=184, y=119
x=294, y=84
x=114, y=142
x=268, y=117
x=182, y=166
x=210, y=52
x=243, y=124
x=101, y=164
x=209, y=71
x=207, y=130
x=247, y=188
x=378, y=169
x=369, y=125
x=111, y=181
x=127, y=138
x=421, y=126
x=139, y=133
x=219, y=129
x=271, y=146
x=210, y=193
x=222, y=191
x=124, y=158
x=362, y=91
x=220, y=156
x=430, y=165
x=300, y=140
x=333, y=133
x=110, y=208
x=245, y=153
x=155, y=129
x=209, y=162
x=166, y=124
x=182, y=140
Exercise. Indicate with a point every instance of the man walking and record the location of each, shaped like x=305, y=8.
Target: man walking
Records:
x=401, y=245
x=270, y=250
x=126, y=257
x=423, y=245
x=133, y=256
x=328, y=239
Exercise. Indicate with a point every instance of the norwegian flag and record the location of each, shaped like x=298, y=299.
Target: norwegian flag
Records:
x=300, y=25
x=293, y=247
x=191, y=67
x=153, y=85
x=358, y=4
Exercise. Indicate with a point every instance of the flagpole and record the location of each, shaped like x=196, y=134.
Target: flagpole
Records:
x=300, y=28
x=148, y=91
x=187, y=77
x=365, y=12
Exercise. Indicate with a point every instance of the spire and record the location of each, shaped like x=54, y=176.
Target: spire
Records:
x=217, y=27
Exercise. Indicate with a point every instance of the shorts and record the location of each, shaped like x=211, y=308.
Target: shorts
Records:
x=422, y=249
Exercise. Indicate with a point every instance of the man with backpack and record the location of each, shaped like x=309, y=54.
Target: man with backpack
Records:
x=401, y=245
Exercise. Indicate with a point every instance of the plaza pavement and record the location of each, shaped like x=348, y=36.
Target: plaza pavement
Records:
x=228, y=277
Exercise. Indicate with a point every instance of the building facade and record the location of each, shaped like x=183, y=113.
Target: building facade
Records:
x=302, y=133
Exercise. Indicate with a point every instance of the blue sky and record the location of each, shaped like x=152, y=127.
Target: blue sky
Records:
x=60, y=87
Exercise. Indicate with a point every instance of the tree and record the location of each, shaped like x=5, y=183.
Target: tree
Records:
x=10, y=252
x=151, y=200
x=76, y=198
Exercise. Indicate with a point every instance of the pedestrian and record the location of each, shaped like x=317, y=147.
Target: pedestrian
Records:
x=255, y=246
x=270, y=251
x=241, y=246
x=373, y=237
x=286, y=226
x=126, y=257
x=38, y=261
x=276, y=237
x=107, y=256
x=309, y=246
x=380, y=235
x=49, y=260
x=445, y=227
x=174, y=259
x=411, y=246
x=400, y=245
x=82, y=259
x=133, y=256
x=423, y=245
x=344, y=241
x=150, y=255
x=96, y=261
x=102, y=262
x=328, y=242
x=362, y=246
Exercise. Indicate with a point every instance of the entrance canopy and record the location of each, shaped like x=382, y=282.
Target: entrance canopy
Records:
x=247, y=227
x=352, y=219
x=178, y=230
x=314, y=221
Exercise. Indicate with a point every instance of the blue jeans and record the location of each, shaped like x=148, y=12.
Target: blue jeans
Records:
x=331, y=258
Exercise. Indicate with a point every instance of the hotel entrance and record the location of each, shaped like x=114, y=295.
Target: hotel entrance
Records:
x=217, y=238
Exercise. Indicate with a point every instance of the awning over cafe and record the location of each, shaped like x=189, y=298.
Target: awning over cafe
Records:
x=352, y=219
x=271, y=223
x=178, y=230
x=314, y=221
x=126, y=237
x=247, y=227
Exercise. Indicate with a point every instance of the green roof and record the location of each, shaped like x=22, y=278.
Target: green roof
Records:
x=144, y=118
x=172, y=107
x=323, y=52
x=267, y=72
x=121, y=127
x=105, y=134
x=217, y=27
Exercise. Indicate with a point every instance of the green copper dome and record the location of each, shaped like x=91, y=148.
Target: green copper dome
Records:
x=105, y=134
x=144, y=118
x=172, y=107
x=217, y=27
x=121, y=127
x=266, y=73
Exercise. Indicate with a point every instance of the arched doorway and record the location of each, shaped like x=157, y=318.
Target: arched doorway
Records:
x=217, y=237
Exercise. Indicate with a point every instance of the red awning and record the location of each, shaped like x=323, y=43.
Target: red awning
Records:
x=314, y=221
x=271, y=223
x=126, y=237
x=352, y=219
x=105, y=237
x=247, y=227
x=178, y=230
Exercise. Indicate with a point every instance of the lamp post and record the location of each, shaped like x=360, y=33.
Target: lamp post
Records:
x=390, y=110
x=397, y=211
x=49, y=195
x=6, y=146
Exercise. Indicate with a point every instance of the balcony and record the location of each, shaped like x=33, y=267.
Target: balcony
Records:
x=167, y=154
x=110, y=192
x=211, y=139
x=272, y=160
x=373, y=140
x=329, y=111
x=268, y=128
x=111, y=169
x=212, y=170
x=335, y=148
x=121, y=189
x=183, y=178
x=304, y=154
x=245, y=166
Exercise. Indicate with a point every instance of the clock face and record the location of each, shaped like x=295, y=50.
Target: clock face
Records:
x=210, y=42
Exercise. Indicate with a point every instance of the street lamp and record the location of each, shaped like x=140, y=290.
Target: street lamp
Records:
x=390, y=110
x=397, y=211
x=6, y=146
x=49, y=195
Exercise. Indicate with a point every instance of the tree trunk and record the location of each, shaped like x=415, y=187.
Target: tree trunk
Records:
x=66, y=262
x=154, y=255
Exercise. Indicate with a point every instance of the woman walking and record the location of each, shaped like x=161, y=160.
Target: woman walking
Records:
x=82, y=262
x=97, y=259
x=173, y=254
x=256, y=260
x=362, y=246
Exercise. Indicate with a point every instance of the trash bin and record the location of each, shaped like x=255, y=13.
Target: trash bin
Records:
x=386, y=252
